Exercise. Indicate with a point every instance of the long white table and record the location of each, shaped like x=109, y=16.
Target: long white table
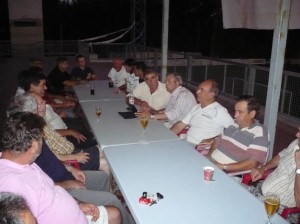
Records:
x=102, y=92
x=174, y=169
x=115, y=130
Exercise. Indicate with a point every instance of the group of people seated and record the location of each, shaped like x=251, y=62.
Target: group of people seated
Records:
x=44, y=128
x=236, y=145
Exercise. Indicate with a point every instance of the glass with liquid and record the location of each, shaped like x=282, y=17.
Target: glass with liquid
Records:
x=98, y=112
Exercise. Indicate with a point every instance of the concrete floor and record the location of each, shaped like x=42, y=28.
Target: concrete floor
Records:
x=10, y=67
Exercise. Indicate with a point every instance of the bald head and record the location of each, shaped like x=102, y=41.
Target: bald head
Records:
x=117, y=64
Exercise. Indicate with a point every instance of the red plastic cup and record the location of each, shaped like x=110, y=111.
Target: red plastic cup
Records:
x=208, y=173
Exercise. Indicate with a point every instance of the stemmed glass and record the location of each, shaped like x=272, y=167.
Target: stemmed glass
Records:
x=98, y=112
x=144, y=122
x=271, y=205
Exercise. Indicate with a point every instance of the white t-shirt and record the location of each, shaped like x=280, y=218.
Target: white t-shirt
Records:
x=157, y=100
x=54, y=119
x=118, y=78
x=206, y=122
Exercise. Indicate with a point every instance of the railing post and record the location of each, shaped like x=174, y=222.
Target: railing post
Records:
x=251, y=81
x=189, y=68
x=283, y=94
x=224, y=78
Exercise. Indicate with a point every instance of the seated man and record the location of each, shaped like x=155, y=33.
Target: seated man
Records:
x=139, y=69
x=88, y=158
x=87, y=186
x=180, y=103
x=117, y=74
x=151, y=94
x=34, y=80
x=244, y=144
x=82, y=72
x=49, y=203
x=206, y=119
x=284, y=180
x=131, y=79
x=14, y=209
x=75, y=130
x=59, y=80
x=36, y=63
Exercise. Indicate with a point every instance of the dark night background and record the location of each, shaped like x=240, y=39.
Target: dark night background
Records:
x=194, y=26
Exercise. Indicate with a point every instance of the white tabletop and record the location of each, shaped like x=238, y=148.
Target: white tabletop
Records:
x=174, y=169
x=102, y=92
x=115, y=130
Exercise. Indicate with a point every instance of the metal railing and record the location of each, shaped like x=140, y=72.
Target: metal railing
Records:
x=234, y=78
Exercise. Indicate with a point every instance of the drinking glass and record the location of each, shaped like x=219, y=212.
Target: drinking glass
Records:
x=98, y=112
x=144, y=123
x=271, y=205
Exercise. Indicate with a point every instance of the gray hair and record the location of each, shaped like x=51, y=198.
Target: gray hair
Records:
x=11, y=208
x=177, y=77
x=22, y=103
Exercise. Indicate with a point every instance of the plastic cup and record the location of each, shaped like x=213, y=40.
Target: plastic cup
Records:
x=208, y=173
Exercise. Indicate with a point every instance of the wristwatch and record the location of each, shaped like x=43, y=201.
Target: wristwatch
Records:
x=224, y=167
x=298, y=171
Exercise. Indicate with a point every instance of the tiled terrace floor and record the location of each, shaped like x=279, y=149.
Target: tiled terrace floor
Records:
x=10, y=67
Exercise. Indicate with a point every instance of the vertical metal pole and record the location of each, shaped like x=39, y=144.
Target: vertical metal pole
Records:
x=277, y=61
x=283, y=94
x=165, y=36
x=224, y=78
x=251, y=81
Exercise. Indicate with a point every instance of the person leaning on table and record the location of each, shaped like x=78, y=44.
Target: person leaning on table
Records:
x=49, y=203
x=244, y=144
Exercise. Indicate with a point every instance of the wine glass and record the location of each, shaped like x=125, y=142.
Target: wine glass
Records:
x=144, y=122
x=98, y=112
x=271, y=205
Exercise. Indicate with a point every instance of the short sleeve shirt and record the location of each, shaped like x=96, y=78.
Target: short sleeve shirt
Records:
x=54, y=119
x=48, y=202
x=157, y=100
x=282, y=179
x=242, y=144
x=206, y=122
x=118, y=77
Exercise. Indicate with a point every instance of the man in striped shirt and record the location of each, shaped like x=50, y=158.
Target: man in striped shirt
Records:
x=244, y=144
x=285, y=179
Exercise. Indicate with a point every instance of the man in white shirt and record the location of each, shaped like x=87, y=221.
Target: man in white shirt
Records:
x=208, y=118
x=151, y=94
x=180, y=103
x=117, y=73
